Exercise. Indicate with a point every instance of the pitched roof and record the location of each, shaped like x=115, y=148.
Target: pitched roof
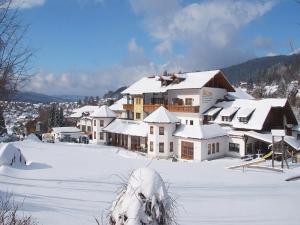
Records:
x=103, y=112
x=189, y=81
x=161, y=115
x=77, y=113
x=261, y=109
x=118, y=105
x=200, y=131
x=128, y=127
x=65, y=129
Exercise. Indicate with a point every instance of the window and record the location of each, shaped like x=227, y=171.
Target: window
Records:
x=101, y=136
x=233, y=147
x=188, y=101
x=191, y=122
x=83, y=128
x=217, y=147
x=209, y=149
x=298, y=136
x=138, y=116
x=243, y=119
x=161, y=147
x=161, y=130
x=138, y=101
x=101, y=123
x=94, y=122
x=171, y=147
x=213, y=148
x=226, y=118
x=151, y=129
x=151, y=146
x=94, y=134
x=89, y=129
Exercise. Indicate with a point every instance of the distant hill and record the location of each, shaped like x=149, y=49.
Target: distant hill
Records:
x=34, y=97
x=265, y=69
x=114, y=94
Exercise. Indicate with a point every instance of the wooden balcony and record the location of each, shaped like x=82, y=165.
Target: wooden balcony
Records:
x=173, y=108
x=183, y=108
x=128, y=107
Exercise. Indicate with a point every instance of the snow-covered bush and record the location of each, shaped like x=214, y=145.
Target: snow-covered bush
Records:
x=10, y=155
x=144, y=200
x=10, y=212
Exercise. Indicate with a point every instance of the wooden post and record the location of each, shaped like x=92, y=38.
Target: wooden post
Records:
x=282, y=151
x=273, y=149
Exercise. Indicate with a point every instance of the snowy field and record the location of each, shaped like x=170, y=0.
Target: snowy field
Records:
x=71, y=184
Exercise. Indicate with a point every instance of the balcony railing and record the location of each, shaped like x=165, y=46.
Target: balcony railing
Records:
x=173, y=108
x=128, y=107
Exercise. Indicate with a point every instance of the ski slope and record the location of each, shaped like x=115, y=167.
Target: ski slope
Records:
x=71, y=184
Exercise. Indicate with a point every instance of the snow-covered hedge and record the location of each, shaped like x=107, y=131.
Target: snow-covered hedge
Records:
x=10, y=155
x=144, y=200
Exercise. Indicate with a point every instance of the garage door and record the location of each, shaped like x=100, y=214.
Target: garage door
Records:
x=187, y=150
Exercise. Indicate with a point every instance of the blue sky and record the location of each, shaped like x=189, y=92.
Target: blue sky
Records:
x=86, y=47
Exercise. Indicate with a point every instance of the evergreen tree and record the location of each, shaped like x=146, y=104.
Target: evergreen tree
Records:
x=2, y=123
x=79, y=102
x=61, y=117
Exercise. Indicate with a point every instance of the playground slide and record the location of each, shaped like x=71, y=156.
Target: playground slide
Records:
x=267, y=155
x=297, y=177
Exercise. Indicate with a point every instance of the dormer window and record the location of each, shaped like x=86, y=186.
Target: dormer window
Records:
x=227, y=114
x=244, y=114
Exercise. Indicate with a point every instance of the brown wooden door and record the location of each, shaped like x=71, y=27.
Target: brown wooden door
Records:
x=187, y=150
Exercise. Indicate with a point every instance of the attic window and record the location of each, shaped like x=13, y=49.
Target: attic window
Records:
x=226, y=118
x=243, y=119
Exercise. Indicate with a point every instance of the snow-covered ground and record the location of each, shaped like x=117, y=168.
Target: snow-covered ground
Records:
x=71, y=184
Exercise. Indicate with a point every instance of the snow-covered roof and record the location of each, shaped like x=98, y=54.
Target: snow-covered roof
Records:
x=278, y=132
x=244, y=112
x=153, y=84
x=65, y=129
x=229, y=111
x=240, y=93
x=256, y=121
x=200, y=131
x=103, y=112
x=212, y=111
x=267, y=137
x=77, y=113
x=11, y=155
x=161, y=115
x=128, y=127
x=118, y=105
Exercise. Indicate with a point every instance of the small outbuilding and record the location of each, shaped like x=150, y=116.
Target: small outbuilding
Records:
x=201, y=142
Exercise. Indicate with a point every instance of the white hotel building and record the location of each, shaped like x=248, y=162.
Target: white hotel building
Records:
x=193, y=116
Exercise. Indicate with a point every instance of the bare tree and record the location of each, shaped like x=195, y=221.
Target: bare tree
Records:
x=14, y=56
x=10, y=213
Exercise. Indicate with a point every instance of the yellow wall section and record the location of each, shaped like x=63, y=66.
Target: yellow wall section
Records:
x=138, y=107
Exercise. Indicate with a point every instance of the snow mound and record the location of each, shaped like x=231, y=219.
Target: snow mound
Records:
x=33, y=137
x=144, y=200
x=11, y=156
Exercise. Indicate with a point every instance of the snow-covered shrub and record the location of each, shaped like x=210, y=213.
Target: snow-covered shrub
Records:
x=10, y=155
x=144, y=200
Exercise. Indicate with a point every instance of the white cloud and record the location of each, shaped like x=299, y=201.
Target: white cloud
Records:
x=26, y=4
x=204, y=29
x=133, y=47
x=263, y=43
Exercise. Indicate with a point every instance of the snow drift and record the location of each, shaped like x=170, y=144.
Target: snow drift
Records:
x=11, y=156
x=33, y=137
x=144, y=200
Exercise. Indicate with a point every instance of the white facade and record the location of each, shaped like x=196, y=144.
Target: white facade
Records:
x=201, y=148
x=156, y=140
x=99, y=136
